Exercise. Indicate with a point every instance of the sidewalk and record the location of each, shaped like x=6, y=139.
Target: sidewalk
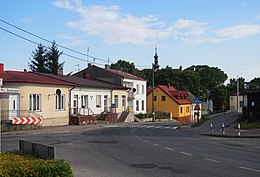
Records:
x=58, y=129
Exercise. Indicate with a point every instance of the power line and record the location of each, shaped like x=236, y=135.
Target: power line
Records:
x=37, y=36
x=38, y=43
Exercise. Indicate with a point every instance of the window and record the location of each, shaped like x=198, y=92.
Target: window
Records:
x=241, y=104
x=142, y=89
x=98, y=101
x=35, y=102
x=137, y=89
x=163, y=98
x=60, y=102
x=187, y=109
x=84, y=101
x=123, y=100
x=137, y=105
x=116, y=101
x=142, y=105
x=154, y=98
x=181, y=109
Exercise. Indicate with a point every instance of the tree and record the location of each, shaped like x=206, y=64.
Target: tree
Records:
x=232, y=85
x=52, y=56
x=220, y=98
x=255, y=83
x=123, y=66
x=211, y=78
x=38, y=62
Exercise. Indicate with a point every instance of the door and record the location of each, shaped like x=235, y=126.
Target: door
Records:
x=75, y=104
x=105, y=103
x=13, y=106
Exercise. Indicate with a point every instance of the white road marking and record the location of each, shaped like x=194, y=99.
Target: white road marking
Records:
x=250, y=169
x=159, y=127
x=140, y=138
x=174, y=128
x=166, y=127
x=156, y=144
x=167, y=148
x=146, y=141
x=186, y=153
x=212, y=160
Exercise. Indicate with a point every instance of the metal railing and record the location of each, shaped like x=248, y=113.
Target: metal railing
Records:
x=81, y=111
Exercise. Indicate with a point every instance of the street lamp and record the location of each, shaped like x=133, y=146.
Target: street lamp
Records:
x=155, y=66
x=237, y=94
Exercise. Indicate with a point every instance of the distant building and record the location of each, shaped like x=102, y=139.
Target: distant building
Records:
x=136, y=98
x=171, y=100
x=236, y=103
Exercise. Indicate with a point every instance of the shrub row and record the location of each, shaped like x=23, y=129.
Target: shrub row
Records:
x=16, y=164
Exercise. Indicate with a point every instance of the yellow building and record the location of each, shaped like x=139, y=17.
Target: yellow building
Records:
x=169, y=99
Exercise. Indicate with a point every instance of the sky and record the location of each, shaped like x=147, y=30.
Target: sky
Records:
x=217, y=33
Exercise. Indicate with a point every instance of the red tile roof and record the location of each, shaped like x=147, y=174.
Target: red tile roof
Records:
x=29, y=77
x=85, y=82
x=124, y=74
x=179, y=96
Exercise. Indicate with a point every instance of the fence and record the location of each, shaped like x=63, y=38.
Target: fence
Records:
x=37, y=149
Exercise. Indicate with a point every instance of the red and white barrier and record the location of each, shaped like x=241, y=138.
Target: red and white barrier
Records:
x=27, y=120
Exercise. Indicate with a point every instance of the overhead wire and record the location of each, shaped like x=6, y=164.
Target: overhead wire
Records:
x=46, y=40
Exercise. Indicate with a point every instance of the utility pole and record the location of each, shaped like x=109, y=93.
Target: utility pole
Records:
x=155, y=66
x=237, y=94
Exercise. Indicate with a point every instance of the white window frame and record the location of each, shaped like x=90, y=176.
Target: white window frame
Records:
x=60, y=102
x=142, y=89
x=137, y=88
x=35, y=102
x=84, y=101
x=137, y=105
x=98, y=101
x=116, y=100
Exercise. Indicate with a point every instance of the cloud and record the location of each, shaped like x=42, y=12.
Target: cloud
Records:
x=114, y=27
x=71, y=40
x=238, y=31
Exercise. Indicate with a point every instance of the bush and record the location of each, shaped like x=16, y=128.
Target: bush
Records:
x=17, y=164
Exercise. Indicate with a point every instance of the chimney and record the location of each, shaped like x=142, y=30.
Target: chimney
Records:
x=24, y=70
x=2, y=67
x=89, y=64
x=60, y=71
x=169, y=85
x=107, y=67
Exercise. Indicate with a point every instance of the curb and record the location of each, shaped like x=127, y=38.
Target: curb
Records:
x=231, y=136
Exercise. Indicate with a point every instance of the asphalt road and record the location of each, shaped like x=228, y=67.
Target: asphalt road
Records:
x=149, y=150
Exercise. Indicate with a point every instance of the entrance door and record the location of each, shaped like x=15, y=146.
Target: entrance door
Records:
x=13, y=106
x=75, y=104
x=105, y=103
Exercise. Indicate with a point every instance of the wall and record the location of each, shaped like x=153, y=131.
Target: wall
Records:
x=139, y=96
x=169, y=105
x=233, y=103
x=51, y=117
x=120, y=93
x=92, y=93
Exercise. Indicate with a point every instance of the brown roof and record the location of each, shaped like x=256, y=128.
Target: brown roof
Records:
x=30, y=77
x=179, y=96
x=124, y=74
x=83, y=82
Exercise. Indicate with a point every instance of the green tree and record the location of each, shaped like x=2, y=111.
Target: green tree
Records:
x=255, y=83
x=52, y=56
x=220, y=98
x=123, y=66
x=38, y=62
x=232, y=85
x=211, y=78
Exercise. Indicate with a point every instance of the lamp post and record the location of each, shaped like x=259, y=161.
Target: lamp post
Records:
x=155, y=66
x=237, y=94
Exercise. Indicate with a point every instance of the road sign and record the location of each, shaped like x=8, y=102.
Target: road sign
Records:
x=197, y=100
x=27, y=120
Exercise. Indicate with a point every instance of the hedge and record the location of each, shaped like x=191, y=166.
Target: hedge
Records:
x=16, y=164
